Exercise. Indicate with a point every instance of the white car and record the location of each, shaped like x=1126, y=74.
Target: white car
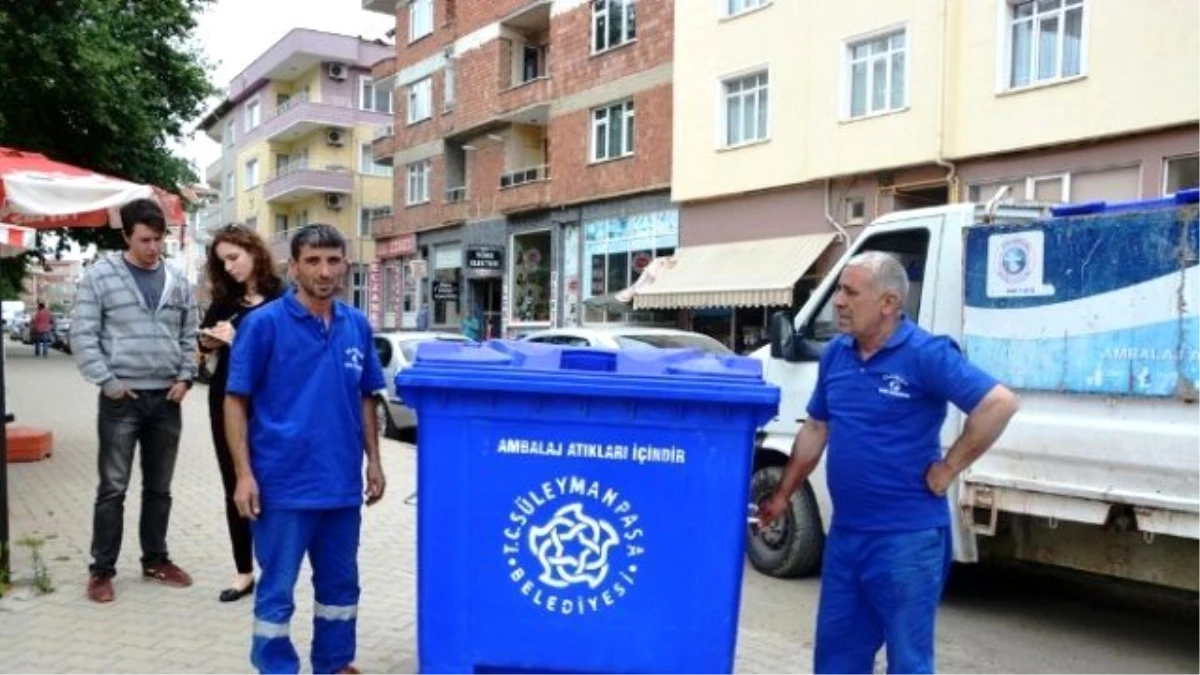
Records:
x=628, y=337
x=396, y=351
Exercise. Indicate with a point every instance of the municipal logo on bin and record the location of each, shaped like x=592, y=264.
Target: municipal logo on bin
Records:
x=1015, y=260
x=572, y=546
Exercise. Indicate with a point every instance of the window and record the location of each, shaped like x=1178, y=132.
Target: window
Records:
x=281, y=223
x=229, y=139
x=375, y=98
x=358, y=286
x=616, y=252
x=856, y=211
x=364, y=221
x=735, y=7
x=448, y=84
x=420, y=19
x=253, y=115
x=1045, y=41
x=252, y=174
x=877, y=75
x=230, y=186
x=418, y=183
x=367, y=165
x=612, y=131
x=1046, y=189
x=531, y=272
x=614, y=22
x=1049, y=189
x=745, y=109
x=420, y=100
x=1181, y=173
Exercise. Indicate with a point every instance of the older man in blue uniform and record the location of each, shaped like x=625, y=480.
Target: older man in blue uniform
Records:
x=879, y=404
x=303, y=369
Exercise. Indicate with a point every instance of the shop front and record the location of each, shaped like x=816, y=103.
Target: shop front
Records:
x=484, y=270
x=730, y=290
x=616, y=252
x=392, y=290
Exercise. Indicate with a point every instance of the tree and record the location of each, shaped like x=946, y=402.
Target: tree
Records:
x=103, y=84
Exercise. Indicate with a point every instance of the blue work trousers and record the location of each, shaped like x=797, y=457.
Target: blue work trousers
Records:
x=880, y=588
x=281, y=539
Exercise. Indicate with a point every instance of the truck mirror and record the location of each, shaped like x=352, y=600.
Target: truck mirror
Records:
x=783, y=335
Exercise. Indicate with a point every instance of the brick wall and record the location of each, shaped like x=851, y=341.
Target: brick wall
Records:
x=482, y=93
x=574, y=68
x=576, y=179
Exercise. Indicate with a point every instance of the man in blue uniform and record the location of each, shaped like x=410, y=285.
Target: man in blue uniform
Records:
x=303, y=371
x=879, y=402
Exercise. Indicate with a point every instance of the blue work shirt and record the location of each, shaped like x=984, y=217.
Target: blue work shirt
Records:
x=885, y=416
x=306, y=384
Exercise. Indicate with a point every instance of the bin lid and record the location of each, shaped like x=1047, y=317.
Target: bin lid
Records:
x=505, y=365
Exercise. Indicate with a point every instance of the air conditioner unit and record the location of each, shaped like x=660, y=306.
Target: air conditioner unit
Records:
x=337, y=71
x=335, y=201
x=335, y=136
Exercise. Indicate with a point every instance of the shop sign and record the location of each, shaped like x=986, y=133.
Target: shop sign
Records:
x=444, y=291
x=485, y=262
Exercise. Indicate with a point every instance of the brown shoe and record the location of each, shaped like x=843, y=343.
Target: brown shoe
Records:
x=169, y=574
x=348, y=670
x=100, y=589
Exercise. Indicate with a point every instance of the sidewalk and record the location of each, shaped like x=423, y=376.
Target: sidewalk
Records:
x=155, y=629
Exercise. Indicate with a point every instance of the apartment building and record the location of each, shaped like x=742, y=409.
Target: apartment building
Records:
x=296, y=128
x=816, y=117
x=531, y=147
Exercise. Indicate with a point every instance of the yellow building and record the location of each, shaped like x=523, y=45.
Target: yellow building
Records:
x=296, y=128
x=813, y=118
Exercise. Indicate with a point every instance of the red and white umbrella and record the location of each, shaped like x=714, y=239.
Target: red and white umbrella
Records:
x=38, y=192
x=15, y=239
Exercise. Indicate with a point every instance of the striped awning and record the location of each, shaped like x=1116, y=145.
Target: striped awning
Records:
x=758, y=273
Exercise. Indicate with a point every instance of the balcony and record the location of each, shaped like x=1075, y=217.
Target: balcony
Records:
x=214, y=174
x=455, y=205
x=387, y=7
x=525, y=189
x=383, y=147
x=383, y=69
x=300, y=180
x=383, y=224
x=301, y=116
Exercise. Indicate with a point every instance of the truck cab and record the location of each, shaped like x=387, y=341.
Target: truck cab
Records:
x=1083, y=477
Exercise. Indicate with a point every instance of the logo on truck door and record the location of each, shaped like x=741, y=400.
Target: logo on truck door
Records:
x=572, y=546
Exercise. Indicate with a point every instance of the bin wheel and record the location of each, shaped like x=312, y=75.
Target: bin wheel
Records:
x=791, y=546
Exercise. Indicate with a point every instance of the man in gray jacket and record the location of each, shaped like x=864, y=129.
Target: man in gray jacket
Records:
x=133, y=333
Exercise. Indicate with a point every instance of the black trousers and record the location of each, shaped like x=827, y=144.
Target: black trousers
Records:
x=152, y=423
x=239, y=527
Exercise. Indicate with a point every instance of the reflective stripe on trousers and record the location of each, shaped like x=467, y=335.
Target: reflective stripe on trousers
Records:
x=269, y=631
x=335, y=612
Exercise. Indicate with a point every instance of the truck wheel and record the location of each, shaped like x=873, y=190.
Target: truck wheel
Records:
x=793, y=544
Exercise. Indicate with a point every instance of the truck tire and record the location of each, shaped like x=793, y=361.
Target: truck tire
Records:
x=793, y=545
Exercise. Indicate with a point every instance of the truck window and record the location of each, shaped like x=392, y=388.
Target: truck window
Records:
x=910, y=247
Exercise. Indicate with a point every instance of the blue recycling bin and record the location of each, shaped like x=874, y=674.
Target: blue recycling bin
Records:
x=581, y=510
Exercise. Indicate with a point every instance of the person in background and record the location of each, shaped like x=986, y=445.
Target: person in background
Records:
x=242, y=278
x=879, y=403
x=133, y=333
x=42, y=328
x=300, y=417
x=471, y=328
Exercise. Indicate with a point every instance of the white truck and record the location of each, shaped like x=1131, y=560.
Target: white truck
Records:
x=1090, y=315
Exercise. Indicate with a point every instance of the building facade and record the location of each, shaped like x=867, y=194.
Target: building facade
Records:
x=815, y=118
x=296, y=129
x=531, y=147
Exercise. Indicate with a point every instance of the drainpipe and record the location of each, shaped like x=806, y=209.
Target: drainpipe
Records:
x=939, y=158
x=841, y=231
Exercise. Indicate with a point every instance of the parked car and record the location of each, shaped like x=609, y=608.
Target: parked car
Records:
x=396, y=351
x=61, y=337
x=17, y=327
x=628, y=337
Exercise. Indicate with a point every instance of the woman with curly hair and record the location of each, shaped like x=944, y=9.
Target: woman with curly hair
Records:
x=242, y=279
